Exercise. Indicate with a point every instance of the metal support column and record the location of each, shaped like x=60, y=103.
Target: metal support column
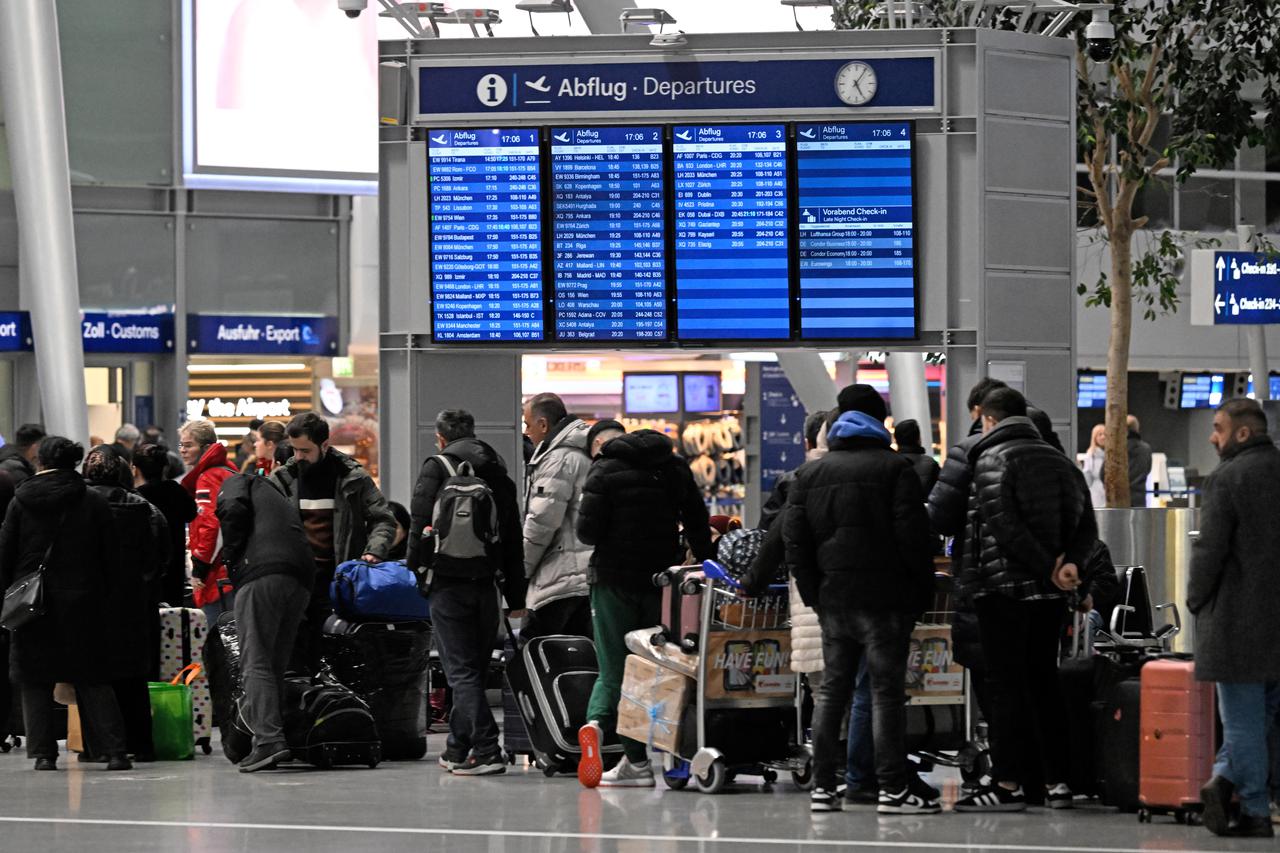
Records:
x=908, y=392
x=1256, y=336
x=809, y=379
x=31, y=88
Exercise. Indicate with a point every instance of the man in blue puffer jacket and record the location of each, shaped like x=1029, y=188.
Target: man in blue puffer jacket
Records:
x=857, y=541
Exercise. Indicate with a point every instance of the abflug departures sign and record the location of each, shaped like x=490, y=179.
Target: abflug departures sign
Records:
x=678, y=233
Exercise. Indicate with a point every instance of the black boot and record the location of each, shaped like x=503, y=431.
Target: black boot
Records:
x=46, y=764
x=1252, y=826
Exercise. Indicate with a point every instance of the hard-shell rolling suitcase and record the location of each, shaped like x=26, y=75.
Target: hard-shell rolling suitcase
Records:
x=551, y=679
x=1117, y=743
x=1176, y=754
x=183, y=632
x=682, y=589
x=386, y=664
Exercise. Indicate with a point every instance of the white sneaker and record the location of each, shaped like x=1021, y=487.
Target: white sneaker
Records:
x=628, y=775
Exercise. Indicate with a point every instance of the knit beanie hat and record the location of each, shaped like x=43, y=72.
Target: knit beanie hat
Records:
x=862, y=398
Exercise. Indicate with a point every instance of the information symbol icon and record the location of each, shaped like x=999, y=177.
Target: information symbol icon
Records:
x=491, y=90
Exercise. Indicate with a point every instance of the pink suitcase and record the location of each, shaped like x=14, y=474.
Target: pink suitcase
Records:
x=1176, y=752
x=682, y=590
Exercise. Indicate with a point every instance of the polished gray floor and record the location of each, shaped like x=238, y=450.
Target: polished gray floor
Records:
x=206, y=806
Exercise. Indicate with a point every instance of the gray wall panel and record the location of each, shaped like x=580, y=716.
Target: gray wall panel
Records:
x=1027, y=84
x=125, y=261
x=1020, y=232
x=1029, y=309
x=1010, y=169
x=1050, y=379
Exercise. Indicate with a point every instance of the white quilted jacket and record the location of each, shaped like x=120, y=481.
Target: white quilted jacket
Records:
x=806, y=633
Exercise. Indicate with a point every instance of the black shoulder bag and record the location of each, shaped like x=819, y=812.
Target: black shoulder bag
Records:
x=24, y=600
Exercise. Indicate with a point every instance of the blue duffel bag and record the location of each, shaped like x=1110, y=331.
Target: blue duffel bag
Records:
x=377, y=592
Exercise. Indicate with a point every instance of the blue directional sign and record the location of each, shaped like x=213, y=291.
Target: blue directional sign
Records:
x=1246, y=289
x=239, y=334
x=781, y=427
x=15, y=331
x=121, y=332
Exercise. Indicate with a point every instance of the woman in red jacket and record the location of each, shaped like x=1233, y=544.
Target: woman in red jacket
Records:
x=209, y=467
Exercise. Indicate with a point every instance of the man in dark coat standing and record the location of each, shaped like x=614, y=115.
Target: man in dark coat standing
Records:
x=1139, y=463
x=1234, y=592
x=1030, y=528
x=857, y=542
x=907, y=435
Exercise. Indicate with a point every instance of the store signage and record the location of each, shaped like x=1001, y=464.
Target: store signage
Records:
x=105, y=331
x=781, y=427
x=236, y=334
x=245, y=407
x=15, y=331
x=901, y=84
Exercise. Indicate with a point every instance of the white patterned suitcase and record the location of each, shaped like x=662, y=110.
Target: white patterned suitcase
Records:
x=182, y=635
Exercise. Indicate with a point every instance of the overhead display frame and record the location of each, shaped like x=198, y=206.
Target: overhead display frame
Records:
x=836, y=264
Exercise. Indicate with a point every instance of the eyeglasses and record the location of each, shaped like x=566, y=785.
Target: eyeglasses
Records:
x=187, y=445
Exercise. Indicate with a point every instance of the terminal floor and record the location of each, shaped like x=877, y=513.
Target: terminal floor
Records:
x=206, y=806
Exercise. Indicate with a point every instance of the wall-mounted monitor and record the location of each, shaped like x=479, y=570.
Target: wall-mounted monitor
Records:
x=486, y=235
x=1201, y=391
x=730, y=220
x=701, y=392
x=856, y=220
x=1091, y=390
x=608, y=204
x=1274, y=386
x=651, y=393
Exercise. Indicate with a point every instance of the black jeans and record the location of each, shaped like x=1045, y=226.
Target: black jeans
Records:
x=307, y=657
x=884, y=638
x=1027, y=718
x=566, y=616
x=99, y=716
x=465, y=616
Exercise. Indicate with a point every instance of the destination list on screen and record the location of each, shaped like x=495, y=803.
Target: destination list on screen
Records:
x=486, y=250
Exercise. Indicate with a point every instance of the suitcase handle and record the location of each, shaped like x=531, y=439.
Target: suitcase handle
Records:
x=191, y=671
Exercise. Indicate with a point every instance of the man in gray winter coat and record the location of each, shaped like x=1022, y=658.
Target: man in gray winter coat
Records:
x=555, y=560
x=1234, y=592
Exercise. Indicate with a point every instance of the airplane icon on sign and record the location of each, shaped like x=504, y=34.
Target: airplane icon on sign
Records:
x=539, y=85
x=807, y=134
x=562, y=137
x=440, y=140
x=684, y=135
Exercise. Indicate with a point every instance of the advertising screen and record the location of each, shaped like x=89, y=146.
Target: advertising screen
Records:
x=857, y=231
x=486, y=232
x=731, y=232
x=1091, y=391
x=650, y=393
x=702, y=392
x=607, y=186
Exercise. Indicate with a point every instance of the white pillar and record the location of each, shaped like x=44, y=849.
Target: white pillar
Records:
x=809, y=379
x=1255, y=335
x=908, y=392
x=31, y=88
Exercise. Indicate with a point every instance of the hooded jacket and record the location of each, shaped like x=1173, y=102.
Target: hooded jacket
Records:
x=14, y=463
x=1234, y=589
x=637, y=496
x=203, y=483
x=71, y=641
x=262, y=532
x=555, y=559
x=489, y=466
x=362, y=520
x=855, y=528
x=142, y=538
x=1029, y=505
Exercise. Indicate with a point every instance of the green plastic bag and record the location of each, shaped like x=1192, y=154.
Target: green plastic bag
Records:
x=172, y=722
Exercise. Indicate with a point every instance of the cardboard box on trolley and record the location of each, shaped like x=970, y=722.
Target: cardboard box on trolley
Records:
x=654, y=699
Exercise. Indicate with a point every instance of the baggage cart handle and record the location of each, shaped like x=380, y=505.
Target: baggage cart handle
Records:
x=717, y=572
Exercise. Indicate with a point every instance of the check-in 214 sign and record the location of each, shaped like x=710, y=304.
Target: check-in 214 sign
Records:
x=1246, y=288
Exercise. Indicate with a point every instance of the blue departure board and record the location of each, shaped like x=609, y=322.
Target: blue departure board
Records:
x=486, y=250
x=731, y=232
x=857, y=231
x=610, y=278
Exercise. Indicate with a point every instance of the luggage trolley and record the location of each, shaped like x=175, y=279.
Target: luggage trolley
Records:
x=741, y=716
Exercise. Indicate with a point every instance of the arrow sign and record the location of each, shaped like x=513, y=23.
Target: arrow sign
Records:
x=1222, y=265
x=1218, y=304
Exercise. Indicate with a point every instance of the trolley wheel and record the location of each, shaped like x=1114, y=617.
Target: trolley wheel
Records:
x=206, y=747
x=550, y=770
x=1180, y=817
x=1144, y=816
x=769, y=776
x=1194, y=818
x=675, y=783
x=803, y=779
x=715, y=780
x=5, y=745
x=980, y=767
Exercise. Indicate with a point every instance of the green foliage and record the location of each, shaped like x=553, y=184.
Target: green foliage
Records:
x=1156, y=274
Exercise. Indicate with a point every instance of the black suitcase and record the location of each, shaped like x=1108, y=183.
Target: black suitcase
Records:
x=328, y=725
x=551, y=679
x=515, y=734
x=385, y=664
x=1117, y=743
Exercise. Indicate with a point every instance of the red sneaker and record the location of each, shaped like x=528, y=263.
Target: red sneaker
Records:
x=591, y=765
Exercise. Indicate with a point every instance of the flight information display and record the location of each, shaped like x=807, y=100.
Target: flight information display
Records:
x=607, y=204
x=486, y=250
x=731, y=232
x=857, y=231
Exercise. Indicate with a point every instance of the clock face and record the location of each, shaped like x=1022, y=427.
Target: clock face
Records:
x=856, y=83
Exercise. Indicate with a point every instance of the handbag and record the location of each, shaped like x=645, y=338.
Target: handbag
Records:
x=24, y=600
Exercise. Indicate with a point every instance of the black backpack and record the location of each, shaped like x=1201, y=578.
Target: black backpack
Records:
x=464, y=522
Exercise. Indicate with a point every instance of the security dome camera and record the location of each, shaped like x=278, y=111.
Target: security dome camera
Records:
x=1100, y=36
x=353, y=8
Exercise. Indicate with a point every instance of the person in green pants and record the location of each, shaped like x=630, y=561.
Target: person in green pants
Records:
x=638, y=499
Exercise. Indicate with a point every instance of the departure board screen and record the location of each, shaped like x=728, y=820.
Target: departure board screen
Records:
x=486, y=251
x=610, y=279
x=857, y=231
x=731, y=232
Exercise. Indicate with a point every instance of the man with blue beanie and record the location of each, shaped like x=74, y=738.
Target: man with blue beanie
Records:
x=857, y=541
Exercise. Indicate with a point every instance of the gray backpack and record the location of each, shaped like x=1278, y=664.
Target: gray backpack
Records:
x=465, y=522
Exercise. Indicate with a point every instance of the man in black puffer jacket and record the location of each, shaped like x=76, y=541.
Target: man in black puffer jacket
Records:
x=1030, y=528
x=272, y=566
x=637, y=496
x=857, y=543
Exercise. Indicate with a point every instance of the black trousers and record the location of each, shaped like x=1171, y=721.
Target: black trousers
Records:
x=99, y=717
x=464, y=615
x=1027, y=720
x=134, y=700
x=307, y=650
x=566, y=616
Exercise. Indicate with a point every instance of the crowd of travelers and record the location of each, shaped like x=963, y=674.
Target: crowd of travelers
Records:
x=259, y=531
